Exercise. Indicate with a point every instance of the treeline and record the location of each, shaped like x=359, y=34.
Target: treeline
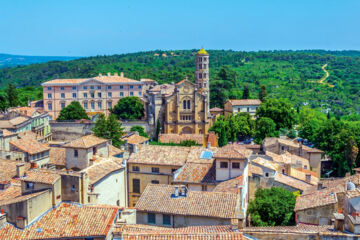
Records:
x=338, y=137
x=286, y=74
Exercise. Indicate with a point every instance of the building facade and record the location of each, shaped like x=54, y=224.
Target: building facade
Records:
x=235, y=106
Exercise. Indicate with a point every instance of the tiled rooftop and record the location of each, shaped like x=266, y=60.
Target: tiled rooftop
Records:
x=253, y=169
x=163, y=89
x=216, y=109
x=140, y=232
x=231, y=185
x=159, y=198
x=27, y=111
x=86, y=142
x=266, y=163
x=7, y=133
x=41, y=176
x=29, y=145
x=135, y=139
x=57, y=156
x=317, y=199
x=100, y=170
x=101, y=78
x=12, y=192
x=244, y=102
x=292, y=182
x=160, y=155
x=178, y=138
x=8, y=169
x=233, y=151
x=12, y=123
x=13, y=196
x=66, y=221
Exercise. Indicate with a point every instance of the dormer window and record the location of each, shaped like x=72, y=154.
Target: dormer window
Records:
x=29, y=185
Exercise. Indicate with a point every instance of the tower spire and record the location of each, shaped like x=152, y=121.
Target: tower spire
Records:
x=202, y=74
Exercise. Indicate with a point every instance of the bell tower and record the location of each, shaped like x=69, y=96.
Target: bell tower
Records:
x=202, y=76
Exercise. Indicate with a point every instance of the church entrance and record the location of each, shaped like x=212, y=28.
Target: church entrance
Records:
x=187, y=130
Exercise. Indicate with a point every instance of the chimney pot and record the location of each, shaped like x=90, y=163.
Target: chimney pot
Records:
x=121, y=74
x=100, y=74
x=116, y=74
x=109, y=74
x=20, y=170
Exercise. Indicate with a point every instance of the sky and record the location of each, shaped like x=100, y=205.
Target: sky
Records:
x=103, y=27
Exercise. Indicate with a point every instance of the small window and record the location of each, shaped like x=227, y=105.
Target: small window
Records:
x=99, y=94
x=99, y=105
x=121, y=94
x=131, y=86
x=109, y=104
x=76, y=153
x=155, y=182
x=173, y=170
x=92, y=105
x=184, y=104
x=155, y=170
x=189, y=104
x=139, y=94
x=110, y=94
x=74, y=95
x=85, y=87
x=92, y=95
x=203, y=188
x=121, y=87
x=73, y=88
x=49, y=106
x=136, y=185
x=63, y=95
x=223, y=164
x=85, y=95
x=204, y=75
x=49, y=88
x=266, y=174
x=62, y=88
x=151, y=218
x=49, y=95
x=73, y=188
x=235, y=165
x=99, y=87
x=200, y=66
x=131, y=93
x=166, y=219
x=140, y=87
x=136, y=168
x=92, y=87
x=85, y=105
x=108, y=87
x=62, y=105
x=200, y=75
x=29, y=185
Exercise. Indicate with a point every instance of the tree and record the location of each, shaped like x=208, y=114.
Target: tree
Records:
x=246, y=92
x=109, y=128
x=140, y=130
x=291, y=134
x=280, y=111
x=129, y=108
x=272, y=207
x=262, y=93
x=265, y=127
x=3, y=103
x=12, y=95
x=188, y=143
x=222, y=137
x=74, y=111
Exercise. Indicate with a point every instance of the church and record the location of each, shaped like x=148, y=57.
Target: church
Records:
x=182, y=108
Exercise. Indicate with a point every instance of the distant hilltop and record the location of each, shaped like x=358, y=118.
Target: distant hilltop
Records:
x=9, y=60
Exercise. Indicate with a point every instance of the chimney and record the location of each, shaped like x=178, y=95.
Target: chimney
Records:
x=300, y=149
x=20, y=170
x=183, y=191
x=176, y=192
x=100, y=74
x=320, y=186
x=33, y=165
x=116, y=74
x=122, y=74
x=347, y=174
x=308, y=177
x=109, y=74
x=2, y=217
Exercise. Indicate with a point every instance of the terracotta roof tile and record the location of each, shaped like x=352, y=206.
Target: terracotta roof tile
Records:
x=244, y=102
x=353, y=193
x=27, y=111
x=58, y=156
x=233, y=151
x=292, y=182
x=12, y=192
x=135, y=139
x=178, y=138
x=41, y=176
x=253, y=169
x=100, y=170
x=19, y=198
x=66, y=221
x=104, y=79
x=8, y=169
x=160, y=155
x=86, y=142
x=317, y=199
x=159, y=198
x=163, y=89
x=266, y=163
x=7, y=133
x=29, y=145
x=231, y=185
x=216, y=109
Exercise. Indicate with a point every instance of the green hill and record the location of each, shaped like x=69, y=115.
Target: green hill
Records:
x=294, y=75
x=9, y=60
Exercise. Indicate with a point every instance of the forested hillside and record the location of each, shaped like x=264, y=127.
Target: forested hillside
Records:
x=295, y=75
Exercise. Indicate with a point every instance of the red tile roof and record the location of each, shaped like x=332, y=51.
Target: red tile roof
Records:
x=8, y=169
x=244, y=102
x=86, y=142
x=29, y=145
x=159, y=198
x=41, y=176
x=135, y=139
x=232, y=185
x=66, y=221
x=100, y=170
x=178, y=138
x=58, y=156
x=233, y=151
x=317, y=199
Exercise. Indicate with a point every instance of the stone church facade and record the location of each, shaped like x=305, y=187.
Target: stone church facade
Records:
x=183, y=108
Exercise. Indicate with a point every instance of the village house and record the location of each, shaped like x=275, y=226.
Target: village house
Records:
x=16, y=124
x=235, y=106
x=66, y=221
x=153, y=164
x=83, y=152
x=215, y=112
x=280, y=146
x=132, y=140
x=96, y=94
x=176, y=206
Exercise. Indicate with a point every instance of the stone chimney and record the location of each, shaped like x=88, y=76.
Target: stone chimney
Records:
x=100, y=74
x=300, y=149
x=308, y=177
x=20, y=170
x=116, y=74
x=109, y=74
x=122, y=74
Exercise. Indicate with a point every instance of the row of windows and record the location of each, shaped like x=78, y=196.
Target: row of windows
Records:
x=202, y=59
x=202, y=66
x=186, y=104
x=165, y=217
x=247, y=109
x=92, y=95
x=136, y=184
x=85, y=104
x=97, y=87
x=226, y=164
x=186, y=117
x=153, y=169
x=202, y=75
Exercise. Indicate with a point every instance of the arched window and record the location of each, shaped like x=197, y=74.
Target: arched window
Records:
x=184, y=104
x=188, y=104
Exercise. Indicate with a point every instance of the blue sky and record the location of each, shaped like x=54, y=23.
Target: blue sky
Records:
x=89, y=27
